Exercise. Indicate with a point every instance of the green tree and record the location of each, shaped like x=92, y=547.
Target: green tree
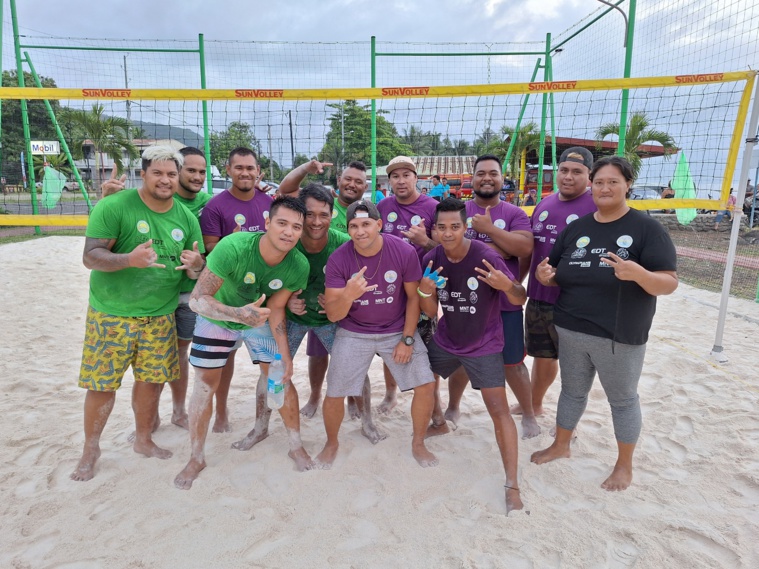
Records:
x=352, y=122
x=483, y=142
x=58, y=162
x=527, y=140
x=108, y=135
x=638, y=133
x=40, y=126
x=222, y=143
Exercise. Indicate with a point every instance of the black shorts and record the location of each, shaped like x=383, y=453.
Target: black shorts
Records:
x=541, y=339
x=483, y=371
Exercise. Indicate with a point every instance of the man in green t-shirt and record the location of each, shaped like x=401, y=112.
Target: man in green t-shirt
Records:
x=241, y=297
x=139, y=245
x=351, y=185
x=190, y=193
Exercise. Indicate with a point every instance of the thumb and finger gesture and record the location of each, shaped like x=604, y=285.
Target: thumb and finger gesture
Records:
x=143, y=256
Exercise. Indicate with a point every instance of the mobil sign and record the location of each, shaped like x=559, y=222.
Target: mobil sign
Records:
x=47, y=147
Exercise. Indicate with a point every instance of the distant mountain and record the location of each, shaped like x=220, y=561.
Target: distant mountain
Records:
x=160, y=131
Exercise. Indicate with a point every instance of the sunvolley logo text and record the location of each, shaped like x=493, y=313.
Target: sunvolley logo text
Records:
x=405, y=91
x=259, y=93
x=701, y=78
x=107, y=93
x=553, y=86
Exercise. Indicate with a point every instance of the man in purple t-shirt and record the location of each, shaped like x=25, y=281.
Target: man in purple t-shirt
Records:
x=549, y=218
x=505, y=228
x=470, y=332
x=408, y=214
x=371, y=284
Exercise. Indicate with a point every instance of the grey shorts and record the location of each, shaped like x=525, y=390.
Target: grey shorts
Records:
x=483, y=371
x=185, y=317
x=352, y=354
x=324, y=336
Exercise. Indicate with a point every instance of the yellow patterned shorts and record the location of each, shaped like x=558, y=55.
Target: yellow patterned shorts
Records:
x=113, y=343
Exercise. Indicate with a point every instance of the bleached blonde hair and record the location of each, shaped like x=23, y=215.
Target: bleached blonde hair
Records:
x=161, y=153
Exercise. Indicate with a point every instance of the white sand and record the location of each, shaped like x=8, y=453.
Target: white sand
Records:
x=694, y=501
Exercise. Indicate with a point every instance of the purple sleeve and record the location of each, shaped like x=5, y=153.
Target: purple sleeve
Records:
x=333, y=277
x=412, y=271
x=210, y=220
x=520, y=222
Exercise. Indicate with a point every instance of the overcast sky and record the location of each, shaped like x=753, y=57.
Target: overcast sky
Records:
x=292, y=20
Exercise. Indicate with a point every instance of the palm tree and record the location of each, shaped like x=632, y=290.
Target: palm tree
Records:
x=527, y=140
x=108, y=135
x=58, y=162
x=638, y=133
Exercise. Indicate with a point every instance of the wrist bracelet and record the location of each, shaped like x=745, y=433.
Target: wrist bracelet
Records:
x=423, y=294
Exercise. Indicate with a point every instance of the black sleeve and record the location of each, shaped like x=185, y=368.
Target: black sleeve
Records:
x=558, y=249
x=659, y=252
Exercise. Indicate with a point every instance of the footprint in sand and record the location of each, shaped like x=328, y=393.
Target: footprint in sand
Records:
x=364, y=533
x=264, y=546
x=678, y=451
x=683, y=426
x=621, y=555
x=711, y=547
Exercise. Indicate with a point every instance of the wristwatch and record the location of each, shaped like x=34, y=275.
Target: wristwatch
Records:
x=408, y=340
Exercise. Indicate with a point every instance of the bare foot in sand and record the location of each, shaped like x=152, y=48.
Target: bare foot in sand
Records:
x=620, y=479
x=309, y=409
x=221, y=424
x=551, y=453
x=436, y=430
x=453, y=415
x=423, y=456
x=302, y=460
x=251, y=439
x=353, y=410
x=180, y=420
x=388, y=403
x=326, y=457
x=552, y=432
x=156, y=423
x=372, y=433
x=188, y=475
x=517, y=410
x=151, y=450
x=513, y=500
x=530, y=427
x=85, y=470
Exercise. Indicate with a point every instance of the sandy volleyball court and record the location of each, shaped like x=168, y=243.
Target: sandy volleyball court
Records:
x=694, y=501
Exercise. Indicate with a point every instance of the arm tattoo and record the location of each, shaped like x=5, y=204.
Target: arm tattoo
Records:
x=98, y=256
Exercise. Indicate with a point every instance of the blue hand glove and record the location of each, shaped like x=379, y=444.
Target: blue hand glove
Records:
x=439, y=281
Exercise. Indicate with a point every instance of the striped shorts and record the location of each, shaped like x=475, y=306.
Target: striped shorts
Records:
x=212, y=344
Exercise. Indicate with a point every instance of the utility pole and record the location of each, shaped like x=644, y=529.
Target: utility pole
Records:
x=129, y=118
x=292, y=141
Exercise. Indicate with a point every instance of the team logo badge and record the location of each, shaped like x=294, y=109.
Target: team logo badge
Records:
x=472, y=310
x=416, y=220
x=391, y=276
x=543, y=216
x=392, y=216
x=579, y=253
x=142, y=226
x=266, y=215
x=276, y=284
x=389, y=227
x=571, y=218
x=334, y=213
x=473, y=297
x=250, y=278
x=538, y=227
x=625, y=241
x=472, y=283
x=583, y=242
x=240, y=219
x=390, y=300
x=623, y=254
x=442, y=294
x=177, y=234
x=390, y=289
x=469, y=222
x=500, y=224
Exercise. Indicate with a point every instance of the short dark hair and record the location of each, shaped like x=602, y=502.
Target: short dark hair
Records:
x=621, y=164
x=288, y=202
x=192, y=151
x=451, y=204
x=317, y=192
x=241, y=151
x=356, y=164
x=436, y=177
x=488, y=157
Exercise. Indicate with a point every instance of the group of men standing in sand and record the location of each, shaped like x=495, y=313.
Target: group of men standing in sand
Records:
x=179, y=278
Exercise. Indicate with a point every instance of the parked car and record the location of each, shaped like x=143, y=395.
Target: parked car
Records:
x=646, y=193
x=71, y=186
x=464, y=191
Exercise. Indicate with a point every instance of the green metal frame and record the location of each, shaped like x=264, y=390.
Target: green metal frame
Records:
x=58, y=132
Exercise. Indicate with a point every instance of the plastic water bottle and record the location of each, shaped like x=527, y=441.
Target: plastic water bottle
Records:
x=276, y=390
